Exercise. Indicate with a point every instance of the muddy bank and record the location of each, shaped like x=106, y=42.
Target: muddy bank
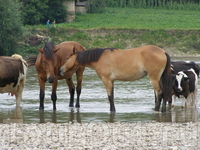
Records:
x=101, y=136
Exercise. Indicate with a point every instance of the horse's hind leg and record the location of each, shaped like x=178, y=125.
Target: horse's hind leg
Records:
x=158, y=94
x=71, y=91
x=79, y=76
x=158, y=100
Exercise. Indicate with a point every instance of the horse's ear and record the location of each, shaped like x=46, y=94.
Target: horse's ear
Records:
x=40, y=50
x=55, y=50
x=74, y=50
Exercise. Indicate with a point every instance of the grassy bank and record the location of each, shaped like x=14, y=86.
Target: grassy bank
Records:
x=134, y=18
x=173, y=30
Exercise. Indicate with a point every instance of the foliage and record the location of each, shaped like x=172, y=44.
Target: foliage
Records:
x=56, y=11
x=138, y=18
x=11, y=26
x=96, y=6
x=39, y=11
x=167, y=4
x=34, y=11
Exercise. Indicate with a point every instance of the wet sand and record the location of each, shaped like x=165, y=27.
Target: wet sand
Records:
x=102, y=136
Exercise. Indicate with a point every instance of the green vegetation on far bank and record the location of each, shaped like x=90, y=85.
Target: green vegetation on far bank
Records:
x=134, y=18
x=175, y=30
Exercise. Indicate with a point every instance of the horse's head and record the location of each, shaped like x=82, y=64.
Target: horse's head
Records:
x=50, y=62
x=70, y=64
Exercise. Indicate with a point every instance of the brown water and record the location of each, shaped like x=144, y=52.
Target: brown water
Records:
x=134, y=102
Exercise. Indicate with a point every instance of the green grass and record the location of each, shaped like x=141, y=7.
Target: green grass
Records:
x=128, y=18
x=134, y=18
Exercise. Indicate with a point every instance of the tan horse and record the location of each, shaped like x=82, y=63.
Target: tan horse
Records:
x=48, y=62
x=127, y=65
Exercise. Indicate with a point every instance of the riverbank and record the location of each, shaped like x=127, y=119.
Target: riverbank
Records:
x=101, y=136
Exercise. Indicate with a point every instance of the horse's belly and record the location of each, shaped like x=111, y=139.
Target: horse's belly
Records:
x=130, y=76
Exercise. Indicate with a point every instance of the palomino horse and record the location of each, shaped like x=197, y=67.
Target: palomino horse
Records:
x=127, y=65
x=48, y=62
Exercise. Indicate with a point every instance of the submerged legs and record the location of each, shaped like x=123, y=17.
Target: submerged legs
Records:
x=42, y=93
x=79, y=77
x=110, y=91
x=71, y=91
x=53, y=95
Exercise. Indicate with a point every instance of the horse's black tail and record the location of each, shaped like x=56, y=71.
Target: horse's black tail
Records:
x=166, y=80
x=31, y=61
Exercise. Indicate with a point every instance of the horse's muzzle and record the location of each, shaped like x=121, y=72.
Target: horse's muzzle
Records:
x=51, y=79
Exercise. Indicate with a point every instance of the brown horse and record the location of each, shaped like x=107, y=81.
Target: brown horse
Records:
x=48, y=62
x=127, y=65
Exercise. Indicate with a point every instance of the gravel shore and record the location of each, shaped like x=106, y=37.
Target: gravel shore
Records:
x=101, y=136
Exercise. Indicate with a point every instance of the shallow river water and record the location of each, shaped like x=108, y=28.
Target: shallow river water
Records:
x=134, y=102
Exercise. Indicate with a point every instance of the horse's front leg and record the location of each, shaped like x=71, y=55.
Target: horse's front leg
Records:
x=71, y=91
x=79, y=76
x=42, y=92
x=53, y=94
x=110, y=91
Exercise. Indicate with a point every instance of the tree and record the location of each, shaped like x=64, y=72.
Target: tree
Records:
x=39, y=11
x=34, y=11
x=56, y=11
x=11, y=26
x=96, y=6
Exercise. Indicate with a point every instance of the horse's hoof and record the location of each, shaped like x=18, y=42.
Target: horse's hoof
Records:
x=77, y=106
x=113, y=111
x=71, y=105
x=156, y=112
x=41, y=108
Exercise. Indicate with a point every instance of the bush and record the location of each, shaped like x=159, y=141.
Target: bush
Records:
x=96, y=6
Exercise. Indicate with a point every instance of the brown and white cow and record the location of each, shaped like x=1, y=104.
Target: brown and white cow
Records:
x=12, y=76
x=185, y=85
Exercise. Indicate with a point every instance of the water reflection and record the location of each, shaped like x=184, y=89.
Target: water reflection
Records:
x=14, y=116
x=18, y=115
x=179, y=115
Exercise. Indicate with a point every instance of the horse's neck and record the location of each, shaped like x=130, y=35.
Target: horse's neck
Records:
x=90, y=65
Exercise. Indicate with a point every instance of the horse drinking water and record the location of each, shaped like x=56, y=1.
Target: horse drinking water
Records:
x=127, y=65
x=48, y=62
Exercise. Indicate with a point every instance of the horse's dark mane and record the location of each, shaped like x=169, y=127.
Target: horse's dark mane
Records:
x=91, y=55
x=48, y=50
